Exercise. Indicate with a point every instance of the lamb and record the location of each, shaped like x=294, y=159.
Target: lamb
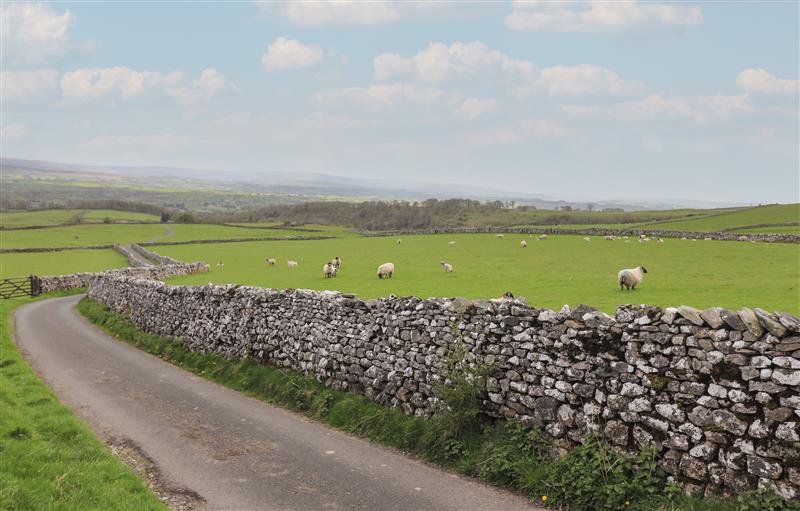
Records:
x=271, y=262
x=587, y=238
x=329, y=270
x=452, y=243
x=385, y=270
x=337, y=263
x=523, y=243
x=291, y=264
x=448, y=268
x=630, y=278
x=542, y=237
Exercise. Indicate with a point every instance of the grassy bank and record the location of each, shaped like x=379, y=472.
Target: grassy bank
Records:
x=590, y=477
x=49, y=459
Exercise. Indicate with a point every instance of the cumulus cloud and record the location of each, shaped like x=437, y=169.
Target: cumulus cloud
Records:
x=33, y=31
x=534, y=128
x=341, y=13
x=113, y=81
x=440, y=62
x=14, y=131
x=656, y=107
x=383, y=96
x=760, y=81
x=473, y=108
x=600, y=16
x=582, y=80
x=290, y=54
x=18, y=85
x=210, y=83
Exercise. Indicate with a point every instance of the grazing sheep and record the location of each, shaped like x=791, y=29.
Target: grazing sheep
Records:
x=499, y=235
x=451, y=243
x=542, y=237
x=329, y=270
x=706, y=239
x=609, y=238
x=337, y=263
x=630, y=278
x=642, y=237
x=508, y=295
x=271, y=262
x=523, y=243
x=399, y=241
x=220, y=264
x=587, y=238
x=660, y=240
x=741, y=238
x=291, y=264
x=448, y=268
x=385, y=270
x=625, y=237
x=683, y=238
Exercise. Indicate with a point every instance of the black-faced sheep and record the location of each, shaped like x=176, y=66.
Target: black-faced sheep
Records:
x=448, y=268
x=630, y=278
x=329, y=270
x=385, y=270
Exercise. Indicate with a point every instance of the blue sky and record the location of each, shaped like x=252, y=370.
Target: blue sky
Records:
x=568, y=99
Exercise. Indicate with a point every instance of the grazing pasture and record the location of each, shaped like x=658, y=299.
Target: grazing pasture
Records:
x=549, y=273
x=59, y=263
x=65, y=216
x=736, y=220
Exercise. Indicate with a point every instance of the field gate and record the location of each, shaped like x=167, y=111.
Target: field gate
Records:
x=20, y=286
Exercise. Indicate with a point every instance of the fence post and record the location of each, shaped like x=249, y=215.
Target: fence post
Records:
x=36, y=285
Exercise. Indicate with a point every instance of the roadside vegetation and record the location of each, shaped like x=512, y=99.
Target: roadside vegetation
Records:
x=590, y=477
x=49, y=459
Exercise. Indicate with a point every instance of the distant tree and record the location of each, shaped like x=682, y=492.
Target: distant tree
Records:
x=107, y=220
x=165, y=217
x=590, y=207
x=566, y=208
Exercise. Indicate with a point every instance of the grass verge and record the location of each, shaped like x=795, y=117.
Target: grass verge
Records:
x=588, y=477
x=49, y=459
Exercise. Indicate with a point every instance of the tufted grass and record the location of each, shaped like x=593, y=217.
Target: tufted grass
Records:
x=49, y=459
x=589, y=478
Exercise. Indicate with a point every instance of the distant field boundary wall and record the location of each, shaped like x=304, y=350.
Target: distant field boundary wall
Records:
x=596, y=231
x=166, y=268
x=76, y=224
x=160, y=243
x=715, y=392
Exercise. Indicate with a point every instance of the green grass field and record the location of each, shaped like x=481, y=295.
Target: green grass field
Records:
x=104, y=234
x=59, y=263
x=63, y=216
x=550, y=273
x=49, y=459
x=775, y=214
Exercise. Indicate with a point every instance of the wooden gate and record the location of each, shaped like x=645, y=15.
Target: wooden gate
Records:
x=19, y=286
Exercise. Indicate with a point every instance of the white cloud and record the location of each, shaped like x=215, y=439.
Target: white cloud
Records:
x=656, y=107
x=14, y=131
x=473, y=108
x=338, y=13
x=383, y=96
x=123, y=81
x=33, y=31
x=26, y=85
x=534, y=128
x=144, y=141
x=210, y=83
x=600, y=16
x=440, y=62
x=582, y=80
x=761, y=81
x=290, y=54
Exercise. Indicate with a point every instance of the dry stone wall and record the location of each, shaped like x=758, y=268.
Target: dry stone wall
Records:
x=715, y=392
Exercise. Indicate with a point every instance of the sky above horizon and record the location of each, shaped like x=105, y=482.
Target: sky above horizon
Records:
x=590, y=100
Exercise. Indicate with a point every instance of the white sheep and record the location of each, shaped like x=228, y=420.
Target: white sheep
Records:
x=451, y=243
x=587, y=238
x=542, y=237
x=271, y=262
x=385, y=270
x=499, y=235
x=448, y=268
x=523, y=243
x=741, y=238
x=399, y=241
x=329, y=270
x=630, y=278
x=706, y=239
x=660, y=240
x=220, y=264
x=642, y=237
x=291, y=264
x=337, y=263
x=609, y=238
